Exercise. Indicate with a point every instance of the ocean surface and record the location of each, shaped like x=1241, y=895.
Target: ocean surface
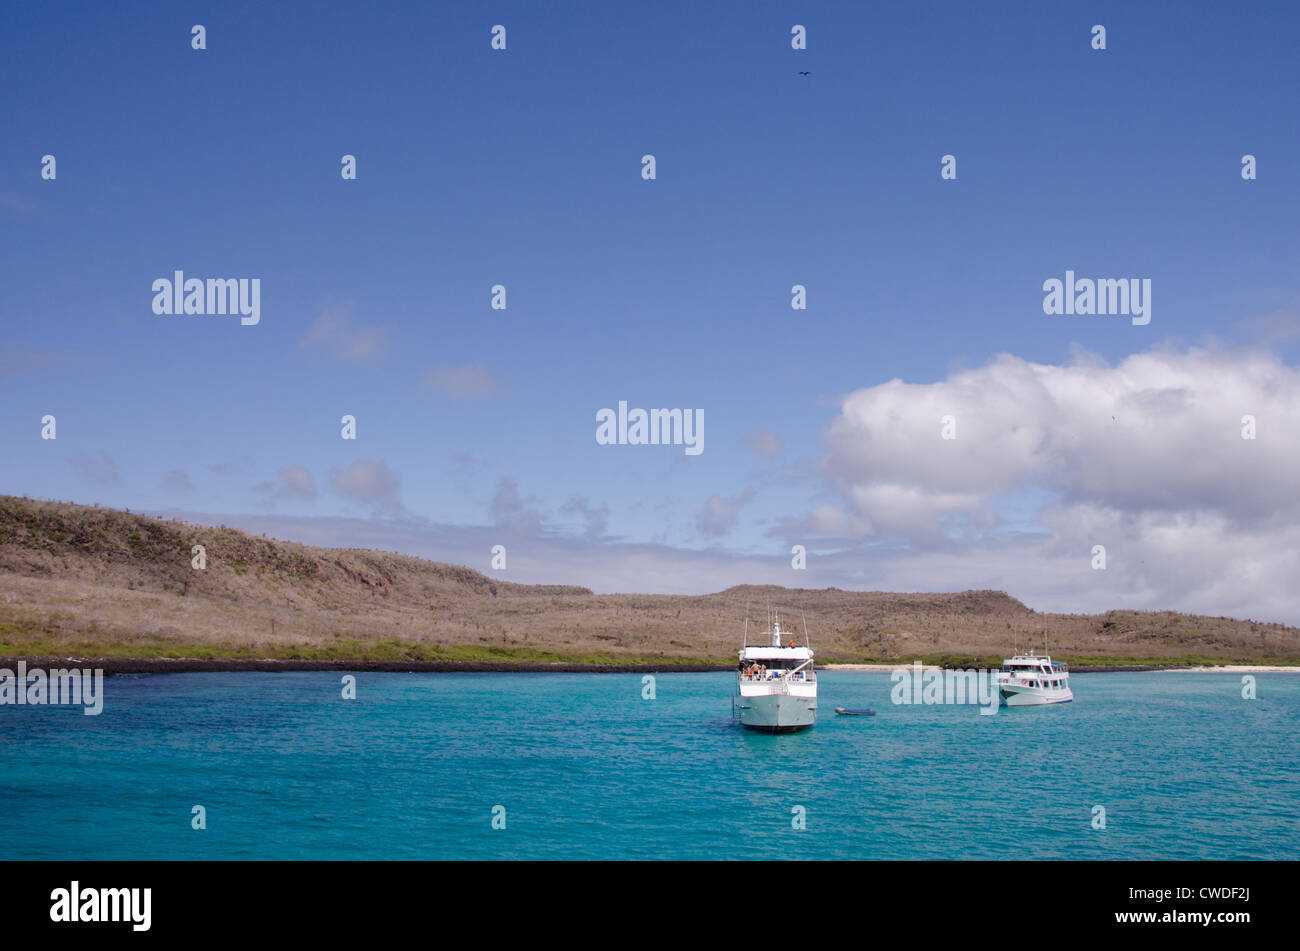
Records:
x=584, y=768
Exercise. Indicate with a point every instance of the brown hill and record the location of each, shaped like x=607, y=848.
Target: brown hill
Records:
x=81, y=580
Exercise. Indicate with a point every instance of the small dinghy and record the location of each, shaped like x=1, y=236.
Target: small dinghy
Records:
x=854, y=713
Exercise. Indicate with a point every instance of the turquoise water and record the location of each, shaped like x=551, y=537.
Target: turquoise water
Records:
x=586, y=768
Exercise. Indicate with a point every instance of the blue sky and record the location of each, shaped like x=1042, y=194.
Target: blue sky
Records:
x=522, y=167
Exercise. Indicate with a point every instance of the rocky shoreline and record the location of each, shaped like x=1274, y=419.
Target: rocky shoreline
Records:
x=163, y=665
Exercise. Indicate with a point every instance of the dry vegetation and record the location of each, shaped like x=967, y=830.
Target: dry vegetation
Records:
x=83, y=581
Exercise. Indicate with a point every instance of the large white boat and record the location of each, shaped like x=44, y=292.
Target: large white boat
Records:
x=776, y=686
x=1028, y=679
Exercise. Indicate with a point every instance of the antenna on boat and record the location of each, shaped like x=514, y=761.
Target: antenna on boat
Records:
x=746, y=644
x=806, y=643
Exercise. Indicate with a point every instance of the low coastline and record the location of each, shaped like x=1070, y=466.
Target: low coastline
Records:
x=183, y=665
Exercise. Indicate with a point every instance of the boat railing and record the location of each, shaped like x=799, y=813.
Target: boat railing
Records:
x=783, y=684
x=797, y=675
x=1025, y=671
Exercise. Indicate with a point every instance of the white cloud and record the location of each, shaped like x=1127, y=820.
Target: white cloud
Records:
x=1159, y=432
x=1146, y=458
x=1202, y=563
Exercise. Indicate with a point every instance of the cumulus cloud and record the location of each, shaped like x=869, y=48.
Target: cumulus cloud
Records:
x=718, y=515
x=472, y=381
x=1196, y=562
x=371, y=483
x=1159, y=432
x=335, y=332
x=1145, y=458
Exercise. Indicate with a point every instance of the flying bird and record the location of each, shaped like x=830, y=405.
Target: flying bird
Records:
x=803, y=72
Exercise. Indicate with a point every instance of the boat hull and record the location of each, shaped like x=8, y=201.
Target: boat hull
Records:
x=777, y=713
x=1033, y=696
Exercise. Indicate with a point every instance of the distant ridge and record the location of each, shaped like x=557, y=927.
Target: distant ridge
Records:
x=84, y=580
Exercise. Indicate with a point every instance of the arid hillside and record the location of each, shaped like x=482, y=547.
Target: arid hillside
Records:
x=84, y=581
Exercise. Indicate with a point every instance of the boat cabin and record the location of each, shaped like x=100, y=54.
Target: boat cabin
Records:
x=1037, y=671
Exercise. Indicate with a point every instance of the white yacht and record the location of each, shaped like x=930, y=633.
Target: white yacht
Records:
x=1028, y=679
x=776, y=686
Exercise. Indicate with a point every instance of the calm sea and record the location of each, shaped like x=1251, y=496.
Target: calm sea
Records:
x=585, y=768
